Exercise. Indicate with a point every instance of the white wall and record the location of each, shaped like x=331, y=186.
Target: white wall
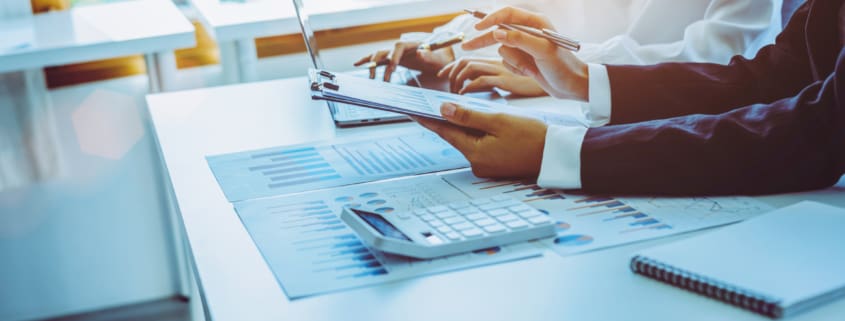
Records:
x=96, y=237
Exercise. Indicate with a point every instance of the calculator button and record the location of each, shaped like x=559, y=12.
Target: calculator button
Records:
x=520, y=208
x=529, y=214
x=519, y=224
x=475, y=216
x=434, y=239
x=420, y=211
x=444, y=229
x=453, y=236
x=435, y=223
x=459, y=205
x=511, y=203
x=507, y=218
x=480, y=202
x=454, y=220
x=446, y=214
x=468, y=210
x=437, y=209
x=539, y=220
x=485, y=221
x=491, y=206
x=501, y=198
x=427, y=217
x=497, y=212
x=495, y=228
x=473, y=232
x=463, y=226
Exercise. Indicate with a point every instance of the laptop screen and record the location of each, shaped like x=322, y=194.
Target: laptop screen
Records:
x=308, y=34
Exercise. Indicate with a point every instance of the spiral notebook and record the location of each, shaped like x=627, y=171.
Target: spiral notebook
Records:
x=777, y=264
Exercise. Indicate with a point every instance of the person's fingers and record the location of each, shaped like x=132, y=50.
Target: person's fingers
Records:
x=374, y=59
x=447, y=68
x=518, y=62
x=539, y=48
x=490, y=123
x=483, y=83
x=364, y=60
x=513, y=15
x=395, y=58
x=473, y=70
x=456, y=136
x=459, y=66
x=484, y=40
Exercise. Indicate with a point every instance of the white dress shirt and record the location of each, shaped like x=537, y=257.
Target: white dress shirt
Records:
x=561, y=164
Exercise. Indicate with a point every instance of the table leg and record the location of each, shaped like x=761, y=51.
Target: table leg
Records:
x=40, y=128
x=247, y=59
x=238, y=59
x=229, y=62
x=153, y=73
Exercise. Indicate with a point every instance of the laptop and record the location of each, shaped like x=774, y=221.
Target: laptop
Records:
x=348, y=115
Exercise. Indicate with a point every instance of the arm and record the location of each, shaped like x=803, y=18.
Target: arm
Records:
x=727, y=28
x=641, y=93
x=788, y=145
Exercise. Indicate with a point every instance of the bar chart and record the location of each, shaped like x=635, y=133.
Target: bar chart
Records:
x=290, y=169
x=589, y=222
x=330, y=256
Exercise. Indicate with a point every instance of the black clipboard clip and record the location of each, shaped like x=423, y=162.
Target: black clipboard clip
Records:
x=322, y=79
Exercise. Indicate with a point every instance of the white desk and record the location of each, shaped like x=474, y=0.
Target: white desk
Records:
x=151, y=27
x=235, y=24
x=236, y=284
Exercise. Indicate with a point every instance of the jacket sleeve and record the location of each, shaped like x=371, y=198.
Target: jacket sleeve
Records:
x=792, y=144
x=641, y=93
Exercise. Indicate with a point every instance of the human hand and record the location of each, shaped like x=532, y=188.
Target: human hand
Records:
x=555, y=69
x=512, y=146
x=405, y=53
x=486, y=74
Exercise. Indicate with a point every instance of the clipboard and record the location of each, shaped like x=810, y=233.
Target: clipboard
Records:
x=412, y=101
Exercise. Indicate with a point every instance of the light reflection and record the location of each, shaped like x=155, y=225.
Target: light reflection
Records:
x=107, y=124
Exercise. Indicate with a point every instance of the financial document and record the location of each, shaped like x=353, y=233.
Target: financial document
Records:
x=420, y=101
x=298, y=168
x=311, y=251
x=590, y=222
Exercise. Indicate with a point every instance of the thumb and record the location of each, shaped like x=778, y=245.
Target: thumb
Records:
x=475, y=119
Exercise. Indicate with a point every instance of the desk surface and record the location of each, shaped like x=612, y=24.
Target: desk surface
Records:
x=232, y=20
x=238, y=285
x=93, y=32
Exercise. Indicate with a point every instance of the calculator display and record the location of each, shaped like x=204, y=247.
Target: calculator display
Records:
x=381, y=225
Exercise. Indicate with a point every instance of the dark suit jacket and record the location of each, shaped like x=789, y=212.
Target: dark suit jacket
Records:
x=775, y=123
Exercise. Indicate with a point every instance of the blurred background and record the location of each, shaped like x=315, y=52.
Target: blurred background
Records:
x=86, y=232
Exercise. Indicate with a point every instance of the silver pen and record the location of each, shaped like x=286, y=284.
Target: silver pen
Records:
x=558, y=39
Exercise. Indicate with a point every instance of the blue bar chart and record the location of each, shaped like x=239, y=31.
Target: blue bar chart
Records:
x=589, y=222
x=290, y=169
x=330, y=256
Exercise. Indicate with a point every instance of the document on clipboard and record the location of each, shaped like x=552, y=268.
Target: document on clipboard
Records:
x=413, y=101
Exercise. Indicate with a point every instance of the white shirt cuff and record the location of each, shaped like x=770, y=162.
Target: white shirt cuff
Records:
x=597, y=110
x=561, y=165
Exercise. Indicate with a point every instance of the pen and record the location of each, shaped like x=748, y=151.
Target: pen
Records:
x=558, y=39
x=442, y=44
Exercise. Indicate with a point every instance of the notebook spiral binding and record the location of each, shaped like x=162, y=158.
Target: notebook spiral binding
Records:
x=707, y=287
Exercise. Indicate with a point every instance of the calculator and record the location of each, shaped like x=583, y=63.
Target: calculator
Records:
x=449, y=229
